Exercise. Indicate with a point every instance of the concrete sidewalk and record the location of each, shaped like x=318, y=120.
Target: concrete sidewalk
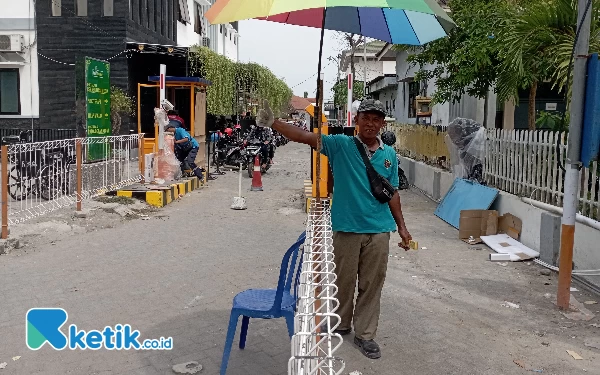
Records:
x=175, y=275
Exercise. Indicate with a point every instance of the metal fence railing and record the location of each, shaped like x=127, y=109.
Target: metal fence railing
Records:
x=521, y=162
x=41, y=177
x=314, y=344
x=422, y=142
x=528, y=163
x=36, y=135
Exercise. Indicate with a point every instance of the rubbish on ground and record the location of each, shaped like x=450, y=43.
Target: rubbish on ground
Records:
x=423, y=248
x=595, y=325
x=548, y=295
x=504, y=244
x=545, y=272
x=503, y=264
x=355, y=373
x=191, y=367
x=590, y=302
x=545, y=343
x=577, y=311
x=414, y=277
x=500, y=257
x=574, y=355
x=3, y=365
x=510, y=304
x=477, y=223
x=464, y=195
x=537, y=370
x=16, y=358
x=592, y=342
x=574, y=289
x=519, y=363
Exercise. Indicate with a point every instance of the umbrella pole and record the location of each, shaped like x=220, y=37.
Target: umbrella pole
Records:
x=319, y=106
x=318, y=239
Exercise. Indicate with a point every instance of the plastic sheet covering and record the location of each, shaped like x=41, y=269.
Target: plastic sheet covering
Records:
x=466, y=143
x=168, y=165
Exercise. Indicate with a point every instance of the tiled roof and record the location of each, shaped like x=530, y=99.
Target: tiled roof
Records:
x=299, y=103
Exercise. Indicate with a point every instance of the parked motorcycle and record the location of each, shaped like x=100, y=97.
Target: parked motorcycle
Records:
x=252, y=147
x=229, y=151
x=389, y=138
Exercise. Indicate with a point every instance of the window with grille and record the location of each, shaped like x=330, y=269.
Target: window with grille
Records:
x=9, y=92
x=56, y=7
x=184, y=13
x=81, y=8
x=108, y=8
x=199, y=19
x=413, y=92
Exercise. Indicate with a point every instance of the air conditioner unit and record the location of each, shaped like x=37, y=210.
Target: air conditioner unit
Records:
x=11, y=43
x=205, y=42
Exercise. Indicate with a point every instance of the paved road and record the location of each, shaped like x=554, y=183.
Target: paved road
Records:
x=175, y=274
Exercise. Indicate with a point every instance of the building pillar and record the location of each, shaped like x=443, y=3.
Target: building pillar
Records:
x=508, y=121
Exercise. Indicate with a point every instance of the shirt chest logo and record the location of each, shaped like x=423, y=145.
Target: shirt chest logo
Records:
x=387, y=163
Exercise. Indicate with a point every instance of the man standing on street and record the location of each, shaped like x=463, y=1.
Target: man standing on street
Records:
x=361, y=224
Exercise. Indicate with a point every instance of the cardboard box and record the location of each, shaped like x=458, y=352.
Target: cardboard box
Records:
x=477, y=223
x=510, y=224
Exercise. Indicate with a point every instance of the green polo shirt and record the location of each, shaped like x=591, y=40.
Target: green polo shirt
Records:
x=354, y=208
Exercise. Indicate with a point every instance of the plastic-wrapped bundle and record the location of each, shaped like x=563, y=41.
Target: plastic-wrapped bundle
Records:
x=168, y=165
x=466, y=143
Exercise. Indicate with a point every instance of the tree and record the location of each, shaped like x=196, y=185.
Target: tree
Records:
x=466, y=62
x=121, y=105
x=340, y=92
x=305, y=94
x=537, y=45
x=349, y=42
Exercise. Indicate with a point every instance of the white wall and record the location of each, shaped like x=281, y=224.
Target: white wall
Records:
x=374, y=69
x=468, y=107
x=17, y=17
x=219, y=43
x=388, y=95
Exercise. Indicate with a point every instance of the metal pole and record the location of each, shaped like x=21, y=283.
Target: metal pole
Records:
x=349, y=114
x=78, y=157
x=573, y=156
x=162, y=87
x=365, y=66
x=4, y=192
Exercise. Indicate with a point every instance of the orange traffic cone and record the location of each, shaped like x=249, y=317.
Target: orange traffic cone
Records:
x=256, y=177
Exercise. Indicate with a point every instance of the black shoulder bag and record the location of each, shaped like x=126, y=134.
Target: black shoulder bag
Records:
x=381, y=188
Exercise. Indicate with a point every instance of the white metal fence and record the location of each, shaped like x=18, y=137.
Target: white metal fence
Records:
x=43, y=176
x=314, y=344
x=528, y=163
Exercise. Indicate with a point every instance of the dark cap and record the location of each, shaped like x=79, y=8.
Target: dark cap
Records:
x=371, y=105
x=169, y=126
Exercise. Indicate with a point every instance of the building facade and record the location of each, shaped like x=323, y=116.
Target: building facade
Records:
x=111, y=30
x=196, y=30
x=19, y=102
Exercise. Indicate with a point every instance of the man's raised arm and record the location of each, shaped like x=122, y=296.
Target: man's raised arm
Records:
x=265, y=118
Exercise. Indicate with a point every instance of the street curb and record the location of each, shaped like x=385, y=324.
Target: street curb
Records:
x=162, y=197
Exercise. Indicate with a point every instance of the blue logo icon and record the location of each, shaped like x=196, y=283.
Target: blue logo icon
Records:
x=43, y=325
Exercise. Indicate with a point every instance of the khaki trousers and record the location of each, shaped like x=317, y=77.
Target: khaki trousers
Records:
x=364, y=256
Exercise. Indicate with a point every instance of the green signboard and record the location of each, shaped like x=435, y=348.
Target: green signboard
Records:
x=97, y=98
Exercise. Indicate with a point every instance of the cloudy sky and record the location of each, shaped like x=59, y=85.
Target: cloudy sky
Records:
x=291, y=52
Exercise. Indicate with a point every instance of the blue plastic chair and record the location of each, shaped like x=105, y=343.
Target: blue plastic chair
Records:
x=266, y=303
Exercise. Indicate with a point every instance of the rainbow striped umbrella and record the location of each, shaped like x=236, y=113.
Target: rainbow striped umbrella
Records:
x=410, y=22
